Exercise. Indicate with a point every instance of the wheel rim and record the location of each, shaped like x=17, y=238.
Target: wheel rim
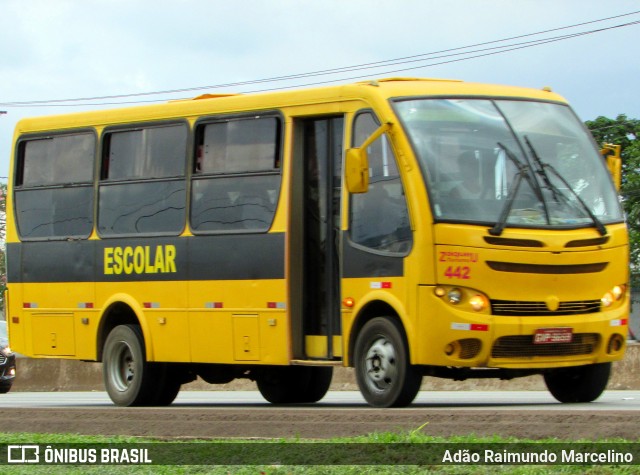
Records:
x=122, y=371
x=380, y=365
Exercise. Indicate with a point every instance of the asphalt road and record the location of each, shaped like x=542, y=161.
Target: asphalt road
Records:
x=436, y=400
x=244, y=414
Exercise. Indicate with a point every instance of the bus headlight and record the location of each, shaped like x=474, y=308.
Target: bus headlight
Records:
x=463, y=298
x=454, y=296
x=478, y=302
x=618, y=291
x=613, y=295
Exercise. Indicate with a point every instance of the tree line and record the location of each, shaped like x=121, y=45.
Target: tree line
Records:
x=626, y=133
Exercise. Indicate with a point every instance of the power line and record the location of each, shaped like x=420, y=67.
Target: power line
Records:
x=458, y=53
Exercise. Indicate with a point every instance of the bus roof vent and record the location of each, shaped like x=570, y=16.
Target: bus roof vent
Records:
x=204, y=96
x=213, y=96
x=374, y=82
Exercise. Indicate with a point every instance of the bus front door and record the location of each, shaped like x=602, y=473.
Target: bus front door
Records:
x=314, y=238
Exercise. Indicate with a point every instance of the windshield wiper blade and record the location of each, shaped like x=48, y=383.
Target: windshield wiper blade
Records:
x=497, y=229
x=523, y=172
x=557, y=192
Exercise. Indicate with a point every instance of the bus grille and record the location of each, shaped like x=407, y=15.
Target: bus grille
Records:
x=515, y=308
x=522, y=346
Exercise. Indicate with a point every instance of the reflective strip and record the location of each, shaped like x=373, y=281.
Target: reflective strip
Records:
x=476, y=327
x=619, y=322
x=380, y=285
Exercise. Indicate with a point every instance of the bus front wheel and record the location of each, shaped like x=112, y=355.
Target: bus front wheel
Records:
x=128, y=377
x=578, y=383
x=383, y=371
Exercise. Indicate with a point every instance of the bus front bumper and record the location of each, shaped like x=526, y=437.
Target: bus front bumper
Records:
x=453, y=337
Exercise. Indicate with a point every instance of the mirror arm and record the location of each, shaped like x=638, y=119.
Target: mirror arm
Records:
x=374, y=136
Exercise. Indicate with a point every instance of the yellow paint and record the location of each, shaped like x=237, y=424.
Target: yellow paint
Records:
x=182, y=328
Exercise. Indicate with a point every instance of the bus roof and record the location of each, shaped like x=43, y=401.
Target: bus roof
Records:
x=385, y=88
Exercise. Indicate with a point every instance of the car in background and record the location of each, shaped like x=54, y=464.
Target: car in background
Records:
x=7, y=360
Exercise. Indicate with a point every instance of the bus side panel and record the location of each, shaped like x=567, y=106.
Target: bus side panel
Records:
x=237, y=299
x=238, y=321
x=54, y=303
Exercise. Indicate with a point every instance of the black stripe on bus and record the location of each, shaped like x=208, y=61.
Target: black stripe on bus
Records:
x=219, y=257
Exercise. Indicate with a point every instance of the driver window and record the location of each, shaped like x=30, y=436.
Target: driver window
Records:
x=379, y=218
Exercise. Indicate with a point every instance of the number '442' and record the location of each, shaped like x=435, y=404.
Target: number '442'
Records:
x=458, y=272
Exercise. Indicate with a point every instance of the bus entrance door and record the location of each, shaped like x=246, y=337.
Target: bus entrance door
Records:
x=315, y=236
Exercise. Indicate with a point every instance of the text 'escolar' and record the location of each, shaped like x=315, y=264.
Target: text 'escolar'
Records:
x=140, y=260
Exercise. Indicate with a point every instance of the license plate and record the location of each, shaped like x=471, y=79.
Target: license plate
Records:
x=545, y=336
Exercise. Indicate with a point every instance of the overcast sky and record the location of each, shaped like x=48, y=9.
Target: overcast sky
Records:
x=70, y=49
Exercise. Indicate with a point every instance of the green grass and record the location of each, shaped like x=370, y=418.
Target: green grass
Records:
x=393, y=443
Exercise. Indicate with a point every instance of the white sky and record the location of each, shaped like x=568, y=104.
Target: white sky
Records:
x=85, y=48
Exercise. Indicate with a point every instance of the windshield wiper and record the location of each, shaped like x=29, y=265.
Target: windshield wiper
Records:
x=558, y=192
x=523, y=172
x=555, y=192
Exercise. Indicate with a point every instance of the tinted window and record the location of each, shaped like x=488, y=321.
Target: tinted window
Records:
x=57, y=160
x=227, y=204
x=379, y=218
x=151, y=207
x=236, y=178
x=239, y=146
x=54, y=187
x=54, y=212
x=150, y=194
x=155, y=152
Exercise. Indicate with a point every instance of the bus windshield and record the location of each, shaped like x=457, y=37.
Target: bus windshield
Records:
x=509, y=163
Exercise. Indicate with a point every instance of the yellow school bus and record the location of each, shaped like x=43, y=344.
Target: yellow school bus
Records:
x=405, y=227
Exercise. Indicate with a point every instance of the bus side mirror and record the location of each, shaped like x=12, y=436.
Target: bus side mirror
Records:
x=357, y=170
x=612, y=156
x=357, y=163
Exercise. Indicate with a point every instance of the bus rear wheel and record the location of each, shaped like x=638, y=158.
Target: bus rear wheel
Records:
x=383, y=371
x=579, y=383
x=294, y=384
x=128, y=378
x=167, y=384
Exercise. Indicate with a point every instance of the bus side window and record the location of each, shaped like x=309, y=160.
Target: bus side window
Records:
x=142, y=188
x=379, y=219
x=53, y=187
x=236, y=178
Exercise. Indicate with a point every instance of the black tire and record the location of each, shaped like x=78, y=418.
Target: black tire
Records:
x=167, y=387
x=318, y=382
x=578, y=383
x=128, y=378
x=294, y=384
x=383, y=371
x=5, y=389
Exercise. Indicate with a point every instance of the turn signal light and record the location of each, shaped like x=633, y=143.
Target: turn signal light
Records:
x=348, y=302
x=618, y=291
x=615, y=294
x=478, y=302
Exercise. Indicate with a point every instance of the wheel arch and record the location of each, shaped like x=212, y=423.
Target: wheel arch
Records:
x=122, y=310
x=372, y=309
